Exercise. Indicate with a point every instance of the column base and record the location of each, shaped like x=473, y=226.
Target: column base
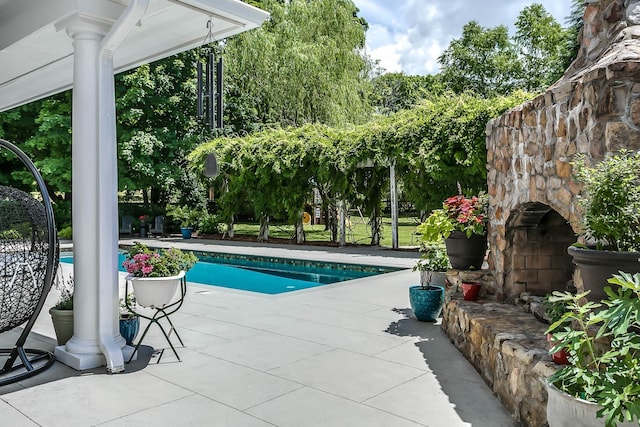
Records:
x=80, y=362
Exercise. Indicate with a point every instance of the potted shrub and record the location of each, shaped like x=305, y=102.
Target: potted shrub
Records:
x=462, y=224
x=155, y=275
x=62, y=312
x=554, y=309
x=129, y=320
x=187, y=218
x=610, y=231
x=603, y=348
x=427, y=298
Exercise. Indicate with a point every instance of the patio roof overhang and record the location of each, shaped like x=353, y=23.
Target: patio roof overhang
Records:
x=47, y=46
x=37, y=54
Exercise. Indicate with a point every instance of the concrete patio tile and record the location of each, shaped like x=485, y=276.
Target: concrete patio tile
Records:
x=320, y=300
x=226, y=330
x=346, y=339
x=347, y=374
x=313, y=408
x=274, y=350
x=341, y=319
x=11, y=417
x=190, y=411
x=228, y=383
x=426, y=400
x=64, y=402
x=406, y=354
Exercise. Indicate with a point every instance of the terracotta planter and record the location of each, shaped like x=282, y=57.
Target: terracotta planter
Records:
x=470, y=290
x=559, y=357
x=426, y=303
x=596, y=267
x=62, y=324
x=155, y=291
x=466, y=253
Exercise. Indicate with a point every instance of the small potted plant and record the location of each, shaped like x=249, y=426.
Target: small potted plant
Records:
x=462, y=224
x=129, y=321
x=62, y=312
x=610, y=234
x=187, y=218
x=144, y=225
x=427, y=298
x=602, y=377
x=155, y=275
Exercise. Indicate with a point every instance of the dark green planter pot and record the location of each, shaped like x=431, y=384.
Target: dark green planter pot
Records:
x=596, y=267
x=466, y=253
x=129, y=328
x=426, y=303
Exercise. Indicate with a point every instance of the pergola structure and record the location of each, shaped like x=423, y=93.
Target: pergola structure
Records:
x=47, y=46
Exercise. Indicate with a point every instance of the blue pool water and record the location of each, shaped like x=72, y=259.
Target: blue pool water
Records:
x=266, y=274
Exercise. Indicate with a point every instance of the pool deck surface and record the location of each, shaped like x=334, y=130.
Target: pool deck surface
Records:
x=346, y=354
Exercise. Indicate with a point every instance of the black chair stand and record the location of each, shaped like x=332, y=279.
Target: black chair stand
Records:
x=28, y=261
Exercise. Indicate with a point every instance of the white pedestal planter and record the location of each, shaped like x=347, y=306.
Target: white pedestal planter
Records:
x=155, y=292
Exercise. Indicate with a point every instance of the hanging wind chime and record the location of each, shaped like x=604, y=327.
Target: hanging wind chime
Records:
x=209, y=86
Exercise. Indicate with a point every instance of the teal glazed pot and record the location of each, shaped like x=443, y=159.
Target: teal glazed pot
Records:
x=426, y=303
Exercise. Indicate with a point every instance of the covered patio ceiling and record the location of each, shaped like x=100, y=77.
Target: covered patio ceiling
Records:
x=36, y=52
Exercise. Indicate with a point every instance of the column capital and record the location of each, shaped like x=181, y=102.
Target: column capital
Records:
x=88, y=27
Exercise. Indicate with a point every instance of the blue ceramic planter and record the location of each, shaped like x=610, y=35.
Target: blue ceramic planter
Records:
x=426, y=303
x=129, y=328
x=186, y=232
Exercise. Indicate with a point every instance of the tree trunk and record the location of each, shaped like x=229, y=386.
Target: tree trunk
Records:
x=230, y=229
x=263, y=234
x=300, y=238
x=376, y=225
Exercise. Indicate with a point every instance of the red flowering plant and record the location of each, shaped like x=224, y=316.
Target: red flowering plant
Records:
x=458, y=213
x=144, y=262
x=468, y=214
x=143, y=219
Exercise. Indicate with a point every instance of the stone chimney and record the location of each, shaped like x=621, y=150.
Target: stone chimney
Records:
x=593, y=109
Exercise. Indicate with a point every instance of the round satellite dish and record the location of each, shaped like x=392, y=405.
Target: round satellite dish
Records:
x=211, y=166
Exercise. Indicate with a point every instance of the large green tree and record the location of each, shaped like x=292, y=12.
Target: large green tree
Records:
x=483, y=61
x=305, y=65
x=543, y=46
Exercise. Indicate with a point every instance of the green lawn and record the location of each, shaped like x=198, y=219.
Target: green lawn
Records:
x=359, y=232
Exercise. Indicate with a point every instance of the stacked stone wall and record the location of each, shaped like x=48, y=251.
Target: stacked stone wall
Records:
x=593, y=110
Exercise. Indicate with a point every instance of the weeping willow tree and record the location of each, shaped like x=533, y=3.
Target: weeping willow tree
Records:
x=305, y=65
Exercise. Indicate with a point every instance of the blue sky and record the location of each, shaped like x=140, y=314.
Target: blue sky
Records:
x=409, y=35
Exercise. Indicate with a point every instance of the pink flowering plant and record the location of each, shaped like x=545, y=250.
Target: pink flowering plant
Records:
x=144, y=262
x=458, y=213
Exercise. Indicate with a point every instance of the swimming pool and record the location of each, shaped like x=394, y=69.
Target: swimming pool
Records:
x=268, y=275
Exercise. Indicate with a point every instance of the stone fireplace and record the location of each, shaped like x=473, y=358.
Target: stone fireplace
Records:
x=593, y=109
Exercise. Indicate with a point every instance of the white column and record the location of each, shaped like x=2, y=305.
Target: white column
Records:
x=394, y=205
x=83, y=350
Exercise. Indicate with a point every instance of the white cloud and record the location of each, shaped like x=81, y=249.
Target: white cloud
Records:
x=410, y=35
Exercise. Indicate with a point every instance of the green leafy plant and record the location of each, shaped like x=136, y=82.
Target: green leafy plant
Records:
x=186, y=216
x=433, y=258
x=210, y=224
x=144, y=262
x=611, y=201
x=65, y=287
x=127, y=304
x=603, y=347
x=66, y=233
x=554, y=308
